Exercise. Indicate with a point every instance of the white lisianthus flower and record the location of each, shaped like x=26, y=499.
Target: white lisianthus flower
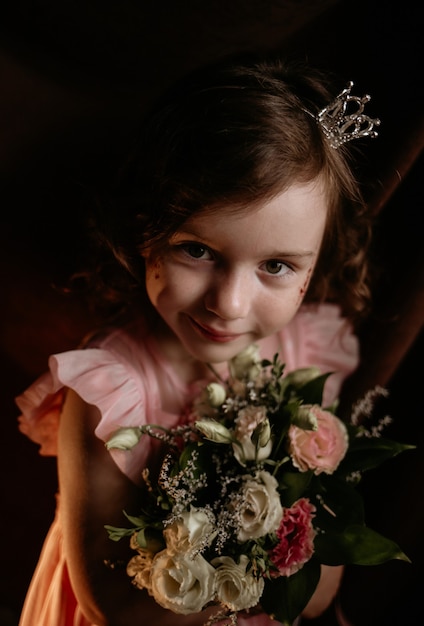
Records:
x=214, y=431
x=182, y=583
x=246, y=364
x=124, y=438
x=253, y=434
x=235, y=587
x=190, y=532
x=262, y=433
x=261, y=511
x=246, y=450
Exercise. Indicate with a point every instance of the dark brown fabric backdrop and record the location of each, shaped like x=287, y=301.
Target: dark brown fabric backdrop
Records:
x=74, y=79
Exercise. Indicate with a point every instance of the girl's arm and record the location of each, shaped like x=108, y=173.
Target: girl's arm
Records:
x=94, y=492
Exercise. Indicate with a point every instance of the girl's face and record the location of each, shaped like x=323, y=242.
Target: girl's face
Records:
x=228, y=279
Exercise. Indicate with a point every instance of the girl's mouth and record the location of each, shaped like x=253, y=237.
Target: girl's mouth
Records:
x=211, y=334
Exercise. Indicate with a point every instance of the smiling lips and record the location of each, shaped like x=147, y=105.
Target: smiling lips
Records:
x=213, y=335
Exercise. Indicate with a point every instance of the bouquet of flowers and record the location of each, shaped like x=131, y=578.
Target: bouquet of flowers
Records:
x=254, y=493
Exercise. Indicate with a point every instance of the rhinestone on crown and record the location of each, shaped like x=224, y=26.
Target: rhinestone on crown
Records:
x=339, y=125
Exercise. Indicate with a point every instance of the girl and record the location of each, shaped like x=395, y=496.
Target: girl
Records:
x=236, y=220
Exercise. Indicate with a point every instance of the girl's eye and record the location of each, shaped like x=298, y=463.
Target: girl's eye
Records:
x=277, y=268
x=196, y=251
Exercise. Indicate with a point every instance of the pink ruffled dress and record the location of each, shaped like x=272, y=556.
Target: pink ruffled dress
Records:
x=119, y=375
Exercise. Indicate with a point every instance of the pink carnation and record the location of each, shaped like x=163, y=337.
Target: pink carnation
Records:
x=296, y=538
x=319, y=450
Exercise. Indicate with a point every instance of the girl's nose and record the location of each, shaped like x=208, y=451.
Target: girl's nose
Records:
x=230, y=296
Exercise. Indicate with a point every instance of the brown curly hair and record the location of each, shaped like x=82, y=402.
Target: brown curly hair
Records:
x=228, y=137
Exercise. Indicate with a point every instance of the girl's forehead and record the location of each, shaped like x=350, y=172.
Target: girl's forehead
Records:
x=292, y=220
x=314, y=191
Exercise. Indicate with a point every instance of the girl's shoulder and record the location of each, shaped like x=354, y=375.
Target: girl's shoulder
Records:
x=113, y=370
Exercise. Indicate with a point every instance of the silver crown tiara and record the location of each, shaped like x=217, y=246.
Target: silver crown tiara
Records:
x=340, y=126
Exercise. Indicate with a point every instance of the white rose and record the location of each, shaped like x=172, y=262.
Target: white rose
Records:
x=235, y=587
x=181, y=583
x=261, y=510
x=192, y=530
x=246, y=364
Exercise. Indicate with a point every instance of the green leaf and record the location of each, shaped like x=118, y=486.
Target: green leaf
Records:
x=284, y=598
x=366, y=453
x=357, y=545
x=294, y=485
x=312, y=391
x=339, y=504
x=115, y=534
x=138, y=522
x=186, y=455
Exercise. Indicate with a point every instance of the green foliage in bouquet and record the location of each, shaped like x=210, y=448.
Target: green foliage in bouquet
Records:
x=255, y=493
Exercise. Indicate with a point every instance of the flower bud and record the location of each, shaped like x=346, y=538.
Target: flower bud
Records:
x=216, y=394
x=214, y=431
x=246, y=364
x=124, y=438
x=262, y=434
x=301, y=376
x=305, y=418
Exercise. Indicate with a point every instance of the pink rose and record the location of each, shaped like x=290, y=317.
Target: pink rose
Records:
x=296, y=538
x=320, y=450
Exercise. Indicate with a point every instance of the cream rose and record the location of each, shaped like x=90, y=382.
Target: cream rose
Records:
x=260, y=511
x=320, y=450
x=191, y=531
x=235, y=587
x=182, y=584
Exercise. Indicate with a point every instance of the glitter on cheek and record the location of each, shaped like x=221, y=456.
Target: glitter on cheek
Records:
x=156, y=269
x=304, y=287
